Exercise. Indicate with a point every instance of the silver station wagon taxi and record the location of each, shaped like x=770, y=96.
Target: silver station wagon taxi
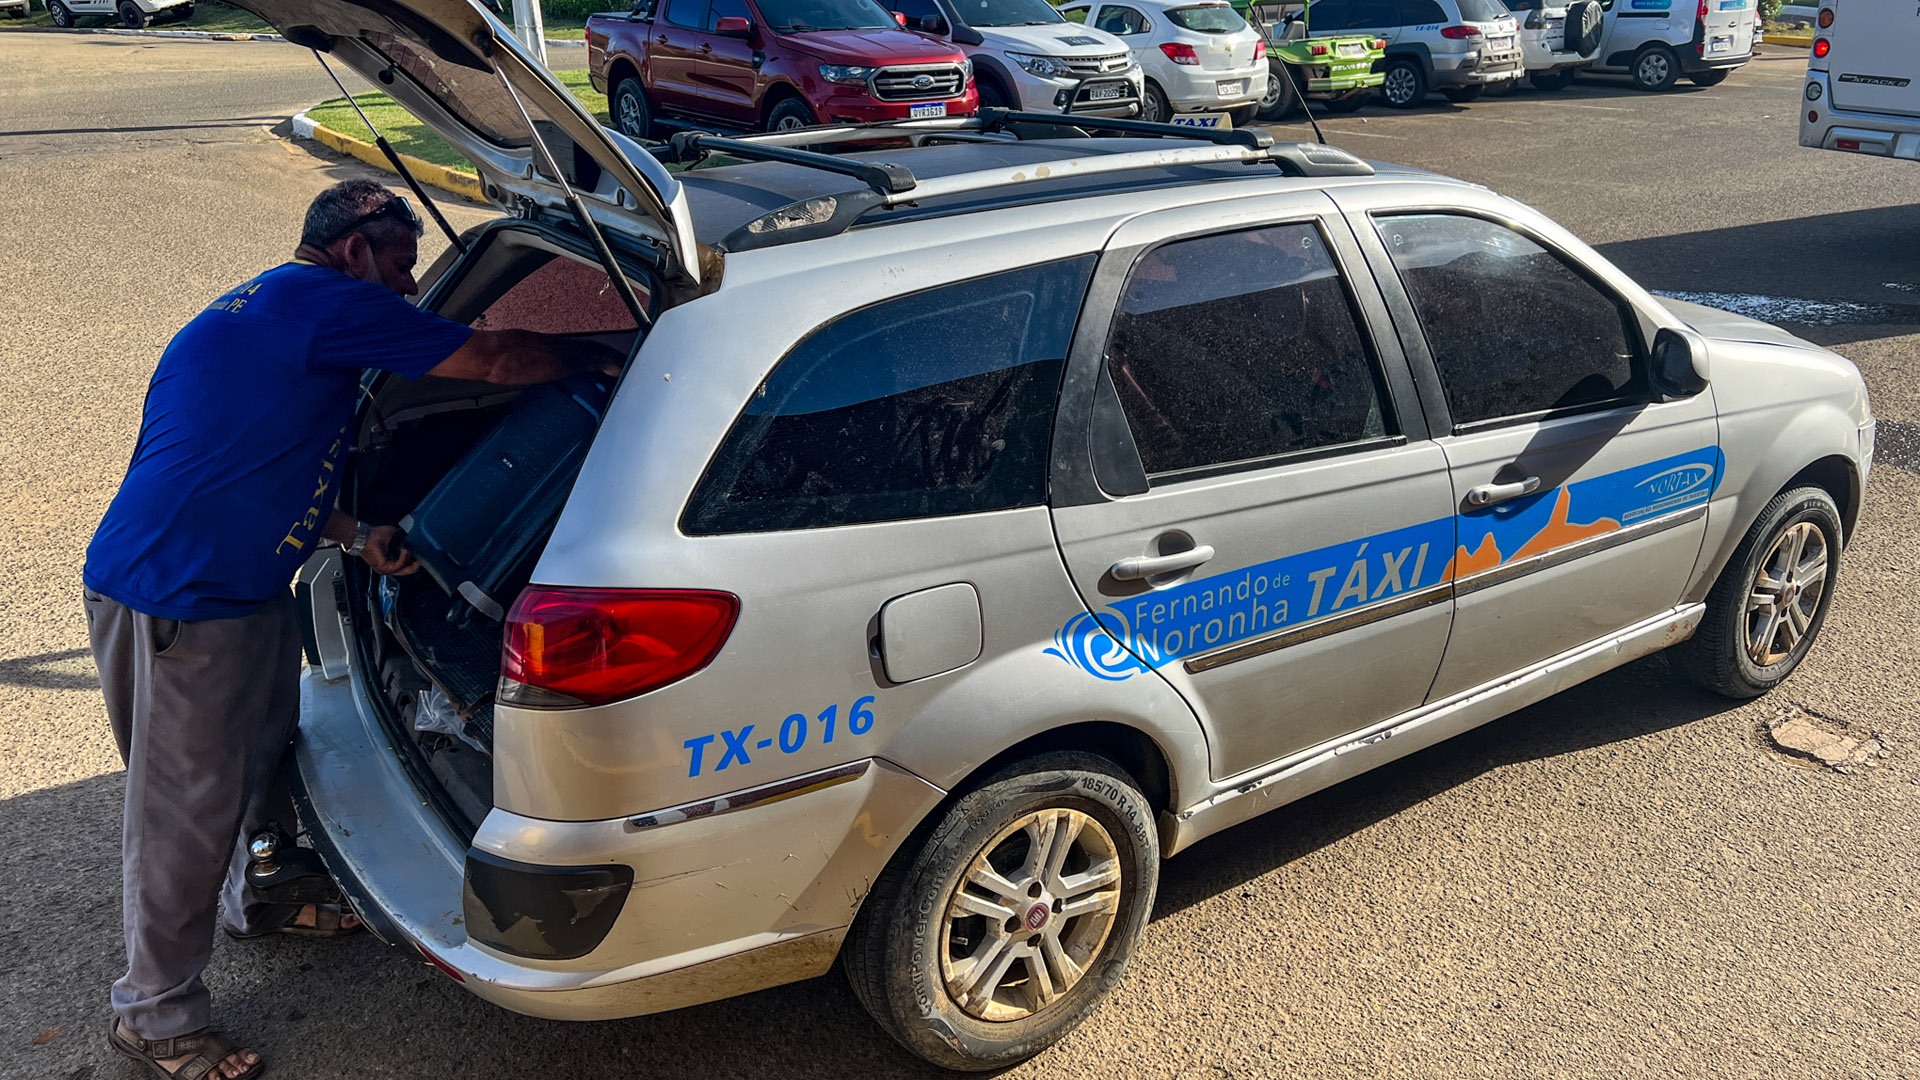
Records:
x=980, y=521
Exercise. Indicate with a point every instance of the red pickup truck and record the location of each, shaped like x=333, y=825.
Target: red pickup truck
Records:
x=771, y=65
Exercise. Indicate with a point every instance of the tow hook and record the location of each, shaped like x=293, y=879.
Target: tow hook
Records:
x=282, y=872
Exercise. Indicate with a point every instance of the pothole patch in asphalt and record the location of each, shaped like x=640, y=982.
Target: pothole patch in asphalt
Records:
x=1811, y=740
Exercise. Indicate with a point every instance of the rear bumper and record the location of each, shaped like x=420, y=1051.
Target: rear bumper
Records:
x=1879, y=134
x=1476, y=69
x=1693, y=63
x=1199, y=91
x=722, y=903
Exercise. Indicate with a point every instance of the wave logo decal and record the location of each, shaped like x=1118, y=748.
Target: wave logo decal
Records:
x=1158, y=627
x=1096, y=646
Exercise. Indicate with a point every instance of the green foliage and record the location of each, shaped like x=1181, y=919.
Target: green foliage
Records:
x=575, y=10
x=1770, y=9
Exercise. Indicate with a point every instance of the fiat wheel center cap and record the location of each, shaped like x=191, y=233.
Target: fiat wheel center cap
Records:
x=1037, y=916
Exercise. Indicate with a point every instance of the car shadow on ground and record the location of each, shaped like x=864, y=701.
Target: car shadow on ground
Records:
x=1877, y=278
x=357, y=1007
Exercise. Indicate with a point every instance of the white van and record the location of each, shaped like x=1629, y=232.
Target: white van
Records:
x=1657, y=41
x=1863, y=81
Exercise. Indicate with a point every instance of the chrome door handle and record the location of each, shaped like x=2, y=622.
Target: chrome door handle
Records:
x=1146, y=566
x=1488, y=494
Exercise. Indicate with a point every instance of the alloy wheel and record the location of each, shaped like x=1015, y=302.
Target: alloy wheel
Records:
x=630, y=116
x=1786, y=593
x=789, y=123
x=1399, y=86
x=1653, y=69
x=1030, y=915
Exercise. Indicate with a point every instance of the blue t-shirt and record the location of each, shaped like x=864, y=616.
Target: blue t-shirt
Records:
x=245, y=428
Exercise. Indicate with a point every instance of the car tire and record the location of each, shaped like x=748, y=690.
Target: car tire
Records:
x=900, y=957
x=632, y=112
x=1406, y=85
x=1585, y=21
x=1709, y=78
x=1655, y=68
x=991, y=95
x=1460, y=95
x=1551, y=81
x=132, y=17
x=59, y=14
x=1154, y=106
x=1281, y=98
x=790, y=114
x=1350, y=103
x=1744, y=647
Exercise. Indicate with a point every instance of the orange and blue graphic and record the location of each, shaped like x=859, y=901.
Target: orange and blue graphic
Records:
x=1212, y=612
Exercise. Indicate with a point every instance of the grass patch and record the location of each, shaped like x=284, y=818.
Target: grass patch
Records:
x=410, y=136
x=209, y=15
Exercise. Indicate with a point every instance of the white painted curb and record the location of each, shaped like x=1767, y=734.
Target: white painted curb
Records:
x=303, y=125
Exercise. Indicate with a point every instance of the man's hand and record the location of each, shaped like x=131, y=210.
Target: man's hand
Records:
x=522, y=358
x=386, y=555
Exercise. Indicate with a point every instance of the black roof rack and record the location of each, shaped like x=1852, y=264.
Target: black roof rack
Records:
x=891, y=184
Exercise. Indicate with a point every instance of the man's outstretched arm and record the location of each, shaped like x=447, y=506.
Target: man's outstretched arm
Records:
x=522, y=358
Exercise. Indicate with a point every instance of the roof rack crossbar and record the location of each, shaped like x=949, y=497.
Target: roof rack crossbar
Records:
x=884, y=178
x=1247, y=137
x=1007, y=176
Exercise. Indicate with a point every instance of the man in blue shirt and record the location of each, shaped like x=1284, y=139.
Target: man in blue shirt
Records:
x=232, y=485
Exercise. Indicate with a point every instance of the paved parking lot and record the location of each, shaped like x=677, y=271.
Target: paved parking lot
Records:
x=1628, y=880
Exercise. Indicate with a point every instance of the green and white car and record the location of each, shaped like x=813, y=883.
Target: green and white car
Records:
x=1342, y=72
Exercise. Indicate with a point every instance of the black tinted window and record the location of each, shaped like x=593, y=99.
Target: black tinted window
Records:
x=1208, y=19
x=1372, y=14
x=1514, y=330
x=936, y=403
x=727, y=9
x=1329, y=14
x=1121, y=21
x=1240, y=347
x=1483, y=10
x=915, y=10
x=1421, y=13
x=691, y=14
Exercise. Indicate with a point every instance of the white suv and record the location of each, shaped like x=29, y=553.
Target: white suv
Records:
x=1458, y=47
x=135, y=14
x=1198, y=56
x=1026, y=56
x=1558, y=40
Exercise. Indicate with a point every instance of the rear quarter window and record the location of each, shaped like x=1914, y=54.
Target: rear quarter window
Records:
x=1483, y=11
x=927, y=405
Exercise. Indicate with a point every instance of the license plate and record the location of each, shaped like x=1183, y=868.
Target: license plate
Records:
x=938, y=108
x=1351, y=49
x=1106, y=93
x=1202, y=120
x=1500, y=43
x=1720, y=44
x=1231, y=89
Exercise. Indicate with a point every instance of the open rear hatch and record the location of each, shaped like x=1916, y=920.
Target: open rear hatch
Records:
x=451, y=63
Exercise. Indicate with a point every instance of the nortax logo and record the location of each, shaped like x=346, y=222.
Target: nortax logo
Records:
x=1677, y=483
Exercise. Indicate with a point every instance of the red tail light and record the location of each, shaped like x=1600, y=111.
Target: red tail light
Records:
x=1318, y=50
x=1822, y=47
x=1702, y=16
x=1180, y=54
x=1379, y=43
x=1846, y=144
x=590, y=646
x=1260, y=49
x=1459, y=33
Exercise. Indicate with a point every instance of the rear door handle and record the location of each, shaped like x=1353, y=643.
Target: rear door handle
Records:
x=1146, y=566
x=1489, y=494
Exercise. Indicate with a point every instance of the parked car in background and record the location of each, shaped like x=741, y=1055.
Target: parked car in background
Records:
x=1863, y=81
x=1655, y=42
x=770, y=65
x=17, y=9
x=1337, y=73
x=1197, y=56
x=1458, y=47
x=1558, y=40
x=1027, y=56
x=133, y=14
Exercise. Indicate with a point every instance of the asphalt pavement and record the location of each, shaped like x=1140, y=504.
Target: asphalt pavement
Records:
x=1631, y=879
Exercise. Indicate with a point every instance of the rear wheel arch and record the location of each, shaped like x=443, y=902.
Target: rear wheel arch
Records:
x=1417, y=50
x=620, y=71
x=776, y=94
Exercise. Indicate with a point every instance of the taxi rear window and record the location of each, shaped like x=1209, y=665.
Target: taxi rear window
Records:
x=932, y=404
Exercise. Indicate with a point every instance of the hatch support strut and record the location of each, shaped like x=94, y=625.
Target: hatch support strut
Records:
x=386, y=148
x=607, y=260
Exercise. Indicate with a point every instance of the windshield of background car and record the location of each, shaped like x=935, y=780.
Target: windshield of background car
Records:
x=1007, y=12
x=1483, y=11
x=793, y=15
x=1208, y=19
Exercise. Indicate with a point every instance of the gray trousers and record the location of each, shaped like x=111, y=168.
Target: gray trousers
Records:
x=203, y=713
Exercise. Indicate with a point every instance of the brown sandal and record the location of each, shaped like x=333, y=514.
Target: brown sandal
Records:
x=328, y=921
x=208, y=1047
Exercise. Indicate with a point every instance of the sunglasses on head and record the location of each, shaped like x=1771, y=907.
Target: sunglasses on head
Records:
x=397, y=208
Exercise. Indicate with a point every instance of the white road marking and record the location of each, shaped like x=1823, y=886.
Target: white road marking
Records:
x=1571, y=105
x=1366, y=134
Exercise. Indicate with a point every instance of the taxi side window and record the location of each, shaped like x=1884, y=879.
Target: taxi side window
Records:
x=1231, y=350
x=691, y=14
x=1515, y=332
x=1373, y=13
x=1421, y=13
x=936, y=403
